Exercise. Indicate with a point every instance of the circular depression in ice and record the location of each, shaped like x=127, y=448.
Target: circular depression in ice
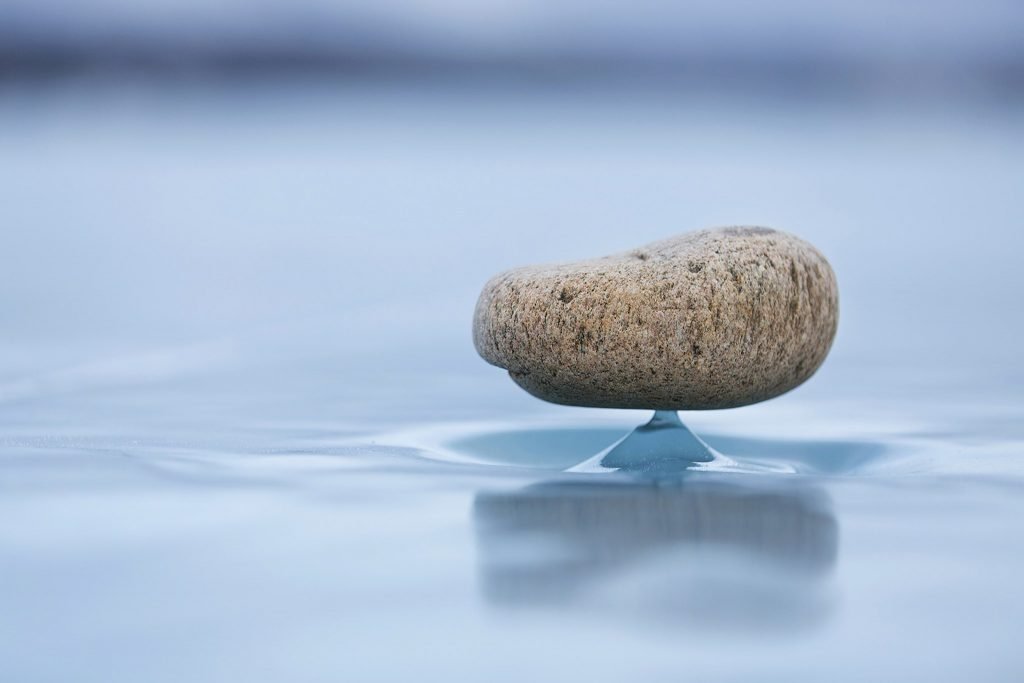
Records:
x=546, y=447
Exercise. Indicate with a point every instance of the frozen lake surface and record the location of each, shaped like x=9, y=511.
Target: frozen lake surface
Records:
x=244, y=434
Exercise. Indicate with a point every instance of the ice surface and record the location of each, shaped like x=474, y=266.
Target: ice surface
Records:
x=244, y=435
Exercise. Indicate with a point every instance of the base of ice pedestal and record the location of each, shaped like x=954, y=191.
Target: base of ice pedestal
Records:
x=663, y=445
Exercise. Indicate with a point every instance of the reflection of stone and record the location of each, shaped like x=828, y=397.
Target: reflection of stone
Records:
x=706, y=548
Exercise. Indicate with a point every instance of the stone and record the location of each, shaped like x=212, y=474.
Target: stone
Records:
x=710, y=319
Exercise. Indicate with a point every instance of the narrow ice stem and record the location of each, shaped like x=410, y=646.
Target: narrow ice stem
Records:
x=663, y=444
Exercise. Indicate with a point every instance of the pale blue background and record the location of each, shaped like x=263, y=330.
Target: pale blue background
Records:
x=236, y=367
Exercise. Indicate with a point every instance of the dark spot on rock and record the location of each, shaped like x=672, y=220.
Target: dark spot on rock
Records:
x=583, y=337
x=566, y=295
x=642, y=255
x=793, y=275
x=695, y=266
x=697, y=351
x=736, y=278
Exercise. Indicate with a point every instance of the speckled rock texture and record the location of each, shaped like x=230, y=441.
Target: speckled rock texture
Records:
x=711, y=319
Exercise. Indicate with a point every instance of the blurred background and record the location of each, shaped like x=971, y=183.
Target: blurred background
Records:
x=240, y=247
x=260, y=200
x=786, y=46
